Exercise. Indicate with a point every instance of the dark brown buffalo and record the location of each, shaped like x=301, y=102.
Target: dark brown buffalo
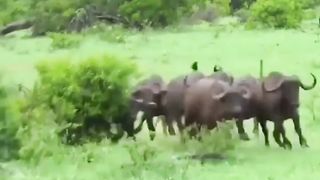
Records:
x=219, y=74
x=275, y=98
x=254, y=105
x=173, y=100
x=147, y=98
x=281, y=102
x=209, y=100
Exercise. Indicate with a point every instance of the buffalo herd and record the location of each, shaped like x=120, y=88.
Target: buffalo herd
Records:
x=203, y=100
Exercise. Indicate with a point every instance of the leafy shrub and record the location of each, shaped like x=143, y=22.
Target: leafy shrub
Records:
x=8, y=126
x=13, y=10
x=143, y=155
x=240, y=4
x=276, y=14
x=38, y=135
x=63, y=40
x=218, y=141
x=113, y=34
x=309, y=14
x=55, y=15
x=310, y=3
x=93, y=92
x=243, y=15
x=222, y=6
x=52, y=15
x=149, y=12
x=208, y=14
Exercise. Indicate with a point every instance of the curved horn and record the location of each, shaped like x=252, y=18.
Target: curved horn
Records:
x=306, y=87
x=138, y=100
x=220, y=95
x=139, y=128
x=152, y=104
x=246, y=93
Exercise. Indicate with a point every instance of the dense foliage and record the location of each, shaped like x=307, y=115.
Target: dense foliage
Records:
x=78, y=96
x=276, y=14
x=52, y=15
x=8, y=125
x=55, y=15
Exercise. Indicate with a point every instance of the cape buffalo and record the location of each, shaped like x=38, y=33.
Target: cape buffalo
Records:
x=275, y=98
x=209, y=100
x=147, y=98
x=254, y=105
x=173, y=100
x=281, y=102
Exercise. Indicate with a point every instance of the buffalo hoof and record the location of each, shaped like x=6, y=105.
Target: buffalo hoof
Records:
x=171, y=132
x=244, y=137
x=305, y=145
x=287, y=146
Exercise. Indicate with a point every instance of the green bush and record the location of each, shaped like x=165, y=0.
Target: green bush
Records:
x=219, y=141
x=310, y=3
x=55, y=15
x=222, y=6
x=63, y=40
x=276, y=14
x=113, y=34
x=154, y=13
x=89, y=91
x=38, y=134
x=13, y=10
x=8, y=126
x=52, y=15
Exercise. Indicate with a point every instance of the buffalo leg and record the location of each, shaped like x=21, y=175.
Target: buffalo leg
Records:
x=194, y=131
x=256, y=127
x=169, y=120
x=164, y=126
x=276, y=133
x=180, y=125
x=171, y=129
x=264, y=129
x=150, y=125
x=286, y=141
x=243, y=135
x=297, y=127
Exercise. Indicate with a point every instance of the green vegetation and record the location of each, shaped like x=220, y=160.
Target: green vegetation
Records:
x=276, y=14
x=8, y=125
x=62, y=40
x=71, y=106
x=42, y=153
x=56, y=15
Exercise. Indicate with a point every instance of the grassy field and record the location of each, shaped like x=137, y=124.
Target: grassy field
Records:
x=170, y=53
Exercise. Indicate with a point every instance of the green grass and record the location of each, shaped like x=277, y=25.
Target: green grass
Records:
x=170, y=52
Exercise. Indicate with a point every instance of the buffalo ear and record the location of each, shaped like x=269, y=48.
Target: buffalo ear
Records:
x=272, y=83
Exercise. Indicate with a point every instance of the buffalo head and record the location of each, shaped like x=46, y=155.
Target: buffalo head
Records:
x=232, y=100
